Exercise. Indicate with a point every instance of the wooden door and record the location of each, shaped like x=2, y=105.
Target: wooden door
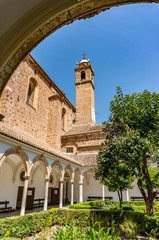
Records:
x=50, y=196
x=19, y=197
x=55, y=196
x=30, y=198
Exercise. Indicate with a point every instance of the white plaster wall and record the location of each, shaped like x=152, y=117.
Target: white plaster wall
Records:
x=4, y=147
x=38, y=184
x=111, y=194
x=91, y=188
x=8, y=189
x=135, y=191
x=94, y=188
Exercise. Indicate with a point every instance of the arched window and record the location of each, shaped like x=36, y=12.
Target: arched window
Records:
x=32, y=92
x=83, y=75
x=64, y=119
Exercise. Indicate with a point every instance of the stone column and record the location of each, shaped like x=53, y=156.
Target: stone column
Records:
x=72, y=192
x=81, y=192
x=25, y=191
x=61, y=188
x=103, y=193
x=46, y=194
x=127, y=195
x=81, y=188
x=61, y=194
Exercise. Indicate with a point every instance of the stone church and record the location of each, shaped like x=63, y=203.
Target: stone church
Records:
x=48, y=147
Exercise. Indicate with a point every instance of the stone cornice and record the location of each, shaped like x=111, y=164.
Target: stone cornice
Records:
x=84, y=67
x=84, y=82
x=79, y=135
x=57, y=96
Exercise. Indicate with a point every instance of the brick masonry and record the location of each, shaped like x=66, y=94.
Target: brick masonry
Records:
x=44, y=120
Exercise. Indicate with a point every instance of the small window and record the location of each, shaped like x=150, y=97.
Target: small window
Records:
x=51, y=178
x=83, y=75
x=64, y=119
x=69, y=150
x=22, y=176
x=32, y=92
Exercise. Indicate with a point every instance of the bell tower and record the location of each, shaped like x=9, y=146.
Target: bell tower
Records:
x=85, y=106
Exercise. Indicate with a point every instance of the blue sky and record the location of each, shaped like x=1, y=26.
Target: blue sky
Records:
x=122, y=45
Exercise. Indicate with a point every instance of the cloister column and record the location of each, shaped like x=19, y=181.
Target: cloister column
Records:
x=127, y=195
x=46, y=194
x=61, y=188
x=103, y=193
x=81, y=188
x=25, y=191
x=72, y=188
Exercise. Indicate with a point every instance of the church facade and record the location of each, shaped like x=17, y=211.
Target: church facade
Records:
x=48, y=147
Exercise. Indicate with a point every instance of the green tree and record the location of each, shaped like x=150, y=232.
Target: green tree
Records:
x=137, y=116
x=154, y=176
x=113, y=170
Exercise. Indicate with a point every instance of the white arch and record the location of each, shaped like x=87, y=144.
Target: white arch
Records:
x=44, y=162
x=34, y=170
x=35, y=21
x=23, y=156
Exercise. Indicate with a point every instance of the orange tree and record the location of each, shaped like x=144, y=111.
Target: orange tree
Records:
x=135, y=119
x=113, y=169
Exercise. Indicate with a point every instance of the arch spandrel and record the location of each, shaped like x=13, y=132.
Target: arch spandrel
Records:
x=42, y=160
x=70, y=171
x=89, y=171
x=58, y=165
x=34, y=170
x=38, y=22
x=21, y=154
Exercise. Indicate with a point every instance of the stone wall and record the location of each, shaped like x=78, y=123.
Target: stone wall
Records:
x=42, y=121
x=83, y=144
x=84, y=103
x=18, y=113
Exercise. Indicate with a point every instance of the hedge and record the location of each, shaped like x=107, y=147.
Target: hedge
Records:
x=23, y=226
x=99, y=204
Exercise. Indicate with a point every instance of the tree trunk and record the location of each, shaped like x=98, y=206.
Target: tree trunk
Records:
x=120, y=195
x=149, y=206
x=149, y=197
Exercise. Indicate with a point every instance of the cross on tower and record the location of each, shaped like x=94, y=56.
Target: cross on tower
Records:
x=84, y=55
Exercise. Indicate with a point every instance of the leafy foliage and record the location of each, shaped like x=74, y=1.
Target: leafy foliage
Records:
x=154, y=176
x=129, y=227
x=132, y=136
x=95, y=232
x=23, y=226
x=137, y=206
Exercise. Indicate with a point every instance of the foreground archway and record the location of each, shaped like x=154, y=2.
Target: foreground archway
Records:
x=35, y=20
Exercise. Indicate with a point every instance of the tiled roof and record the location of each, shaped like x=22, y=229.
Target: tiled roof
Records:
x=35, y=142
x=81, y=129
x=86, y=159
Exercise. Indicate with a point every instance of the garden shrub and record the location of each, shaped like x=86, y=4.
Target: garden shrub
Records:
x=137, y=206
x=130, y=227
x=128, y=208
x=22, y=226
x=95, y=232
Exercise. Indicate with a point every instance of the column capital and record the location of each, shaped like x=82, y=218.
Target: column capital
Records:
x=47, y=179
x=80, y=183
x=61, y=181
x=26, y=177
x=72, y=182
